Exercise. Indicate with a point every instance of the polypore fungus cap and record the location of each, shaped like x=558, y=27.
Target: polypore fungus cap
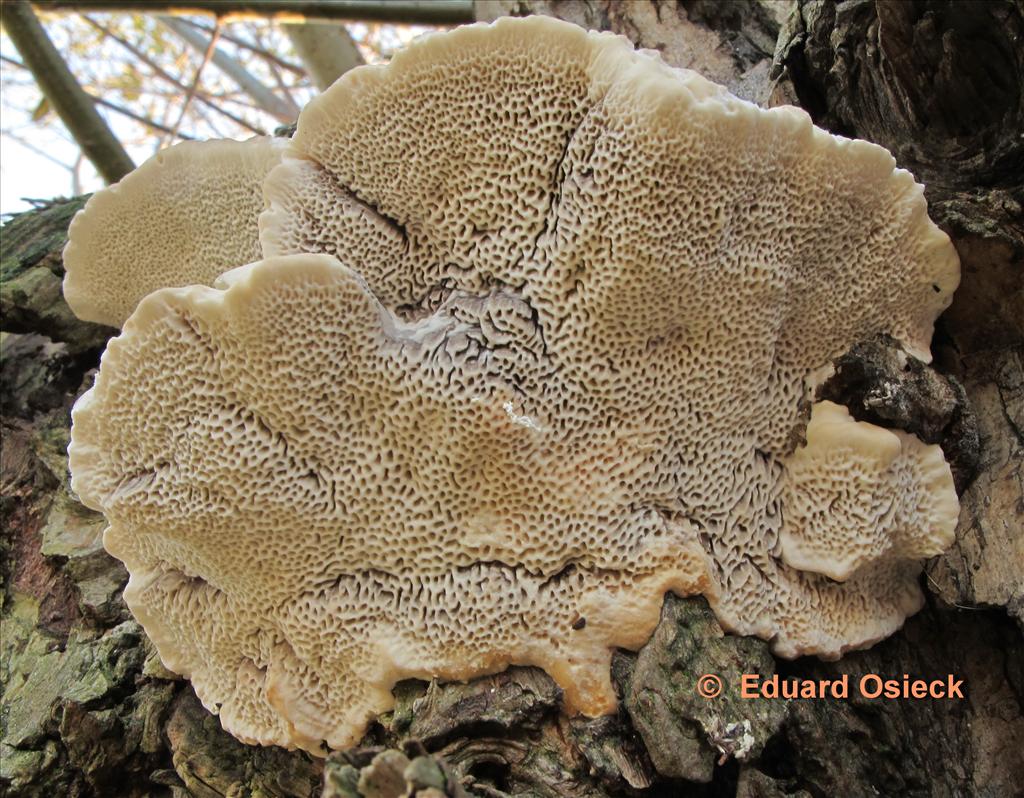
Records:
x=311, y=510
x=184, y=216
x=553, y=371
x=857, y=493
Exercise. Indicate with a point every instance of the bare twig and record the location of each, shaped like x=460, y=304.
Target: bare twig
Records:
x=208, y=118
x=283, y=110
x=210, y=48
x=66, y=97
x=160, y=73
x=281, y=85
x=276, y=74
x=142, y=120
x=76, y=176
x=117, y=109
x=254, y=48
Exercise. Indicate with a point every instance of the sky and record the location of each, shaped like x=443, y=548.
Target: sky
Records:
x=25, y=173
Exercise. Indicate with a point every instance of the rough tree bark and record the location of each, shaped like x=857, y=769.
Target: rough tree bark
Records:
x=88, y=710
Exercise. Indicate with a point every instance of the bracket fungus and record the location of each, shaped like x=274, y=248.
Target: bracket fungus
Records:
x=183, y=217
x=528, y=347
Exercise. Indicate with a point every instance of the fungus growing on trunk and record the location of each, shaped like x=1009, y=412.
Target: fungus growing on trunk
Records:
x=529, y=348
x=857, y=494
x=183, y=217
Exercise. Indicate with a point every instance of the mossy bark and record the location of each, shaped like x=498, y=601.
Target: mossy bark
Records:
x=87, y=709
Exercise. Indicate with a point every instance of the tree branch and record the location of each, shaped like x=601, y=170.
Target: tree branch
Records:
x=409, y=12
x=326, y=50
x=283, y=110
x=275, y=71
x=142, y=120
x=211, y=48
x=255, y=49
x=66, y=97
x=164, y=76
x=117, y=109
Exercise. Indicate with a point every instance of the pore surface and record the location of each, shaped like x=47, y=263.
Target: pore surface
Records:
x=183, y=217
x=532, y=351
x=329, y=506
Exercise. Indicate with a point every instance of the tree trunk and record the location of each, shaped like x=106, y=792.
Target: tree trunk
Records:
x=88, y=710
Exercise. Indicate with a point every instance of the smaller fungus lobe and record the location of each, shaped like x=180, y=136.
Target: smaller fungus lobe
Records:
x=184, y=216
